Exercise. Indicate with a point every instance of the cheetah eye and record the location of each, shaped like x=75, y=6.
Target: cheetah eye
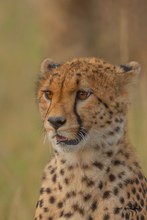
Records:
x=83, y=95
x=48, y=94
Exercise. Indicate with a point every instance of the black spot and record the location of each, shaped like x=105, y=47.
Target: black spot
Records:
x=140, y=189
x=109, y=153
x=54, y=178
x=133, y=190
x=78, y=74
x=41, y=203
x=120, y=185
x=111, y=98
x=117, y=129
x=121, y=174
x=63, y=161
x=88, y=182
x=98, y=165
x=48, y=190
x=46, y=209
x=115, y=191
x=52, y=199
x=52, y=171
x=85, y=166
x=61, y=213
x=116, y=210
x=136, y=164
x=108, y=122
x=94, y=206
x=140, y=176
x=40, y=216
x=100, y=185
x=70, y=168
x=68, y=215
x=106, y=194
x=90, y=218
x=62, y=172
x=128, y=195
x=138, y=196
x=142, y=217
x=111, y=133
x=136, y=181
x=66, y=180
x=110, y=112
x=81, y=211
x=127, y=215
x=128, y=181
x=60, y=204
x=122, y=215
x=111, y=177
x=122, y=201
x=41, y=190
x=142, y=202
x=77, y=208
x=86, y=197
x=108, y=170
x=70, y=194
x=106, y=217
x=127, y=155
x=118, y=162
x=60, y=187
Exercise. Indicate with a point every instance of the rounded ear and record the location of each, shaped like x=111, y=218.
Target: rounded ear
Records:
x=132, y=66
x=47, y=65
x=129, y=73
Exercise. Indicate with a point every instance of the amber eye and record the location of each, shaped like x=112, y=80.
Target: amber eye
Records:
x=83, y=95
x=48, y=94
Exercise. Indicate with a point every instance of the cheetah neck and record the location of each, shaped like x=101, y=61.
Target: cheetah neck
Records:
x=103, y=150
x=88, y=167
x=103, y=154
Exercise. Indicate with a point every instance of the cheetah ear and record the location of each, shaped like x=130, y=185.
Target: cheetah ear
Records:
x=129, y=72
x=133, y=66
x=47, y=65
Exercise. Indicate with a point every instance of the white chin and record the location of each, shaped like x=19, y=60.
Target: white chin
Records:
x=62, y=147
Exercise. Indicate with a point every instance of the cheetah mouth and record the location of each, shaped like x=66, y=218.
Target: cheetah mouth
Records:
x=64, y=140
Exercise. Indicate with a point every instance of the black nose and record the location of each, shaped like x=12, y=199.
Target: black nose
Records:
x=57, y=122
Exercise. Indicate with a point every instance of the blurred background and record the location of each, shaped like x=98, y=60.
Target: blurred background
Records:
x=31, y=30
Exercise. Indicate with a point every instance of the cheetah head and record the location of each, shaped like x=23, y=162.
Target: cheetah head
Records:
x=84, y=102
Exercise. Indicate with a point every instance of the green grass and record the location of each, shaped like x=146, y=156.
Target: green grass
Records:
x=22, y=152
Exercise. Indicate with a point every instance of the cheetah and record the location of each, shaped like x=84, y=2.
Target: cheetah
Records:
x=94, y=174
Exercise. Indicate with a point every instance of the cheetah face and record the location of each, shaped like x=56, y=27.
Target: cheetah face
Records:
x=81, y=102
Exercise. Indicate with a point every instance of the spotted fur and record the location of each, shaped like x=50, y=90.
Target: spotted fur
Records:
x=94, y=174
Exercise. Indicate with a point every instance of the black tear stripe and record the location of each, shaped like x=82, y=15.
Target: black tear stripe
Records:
x=47, y=111
x=77, y=115
x=105, y=104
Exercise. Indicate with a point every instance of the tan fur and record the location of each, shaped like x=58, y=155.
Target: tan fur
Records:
x=96, y=178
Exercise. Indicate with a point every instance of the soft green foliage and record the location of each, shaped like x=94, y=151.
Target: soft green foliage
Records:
x=22, y=152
